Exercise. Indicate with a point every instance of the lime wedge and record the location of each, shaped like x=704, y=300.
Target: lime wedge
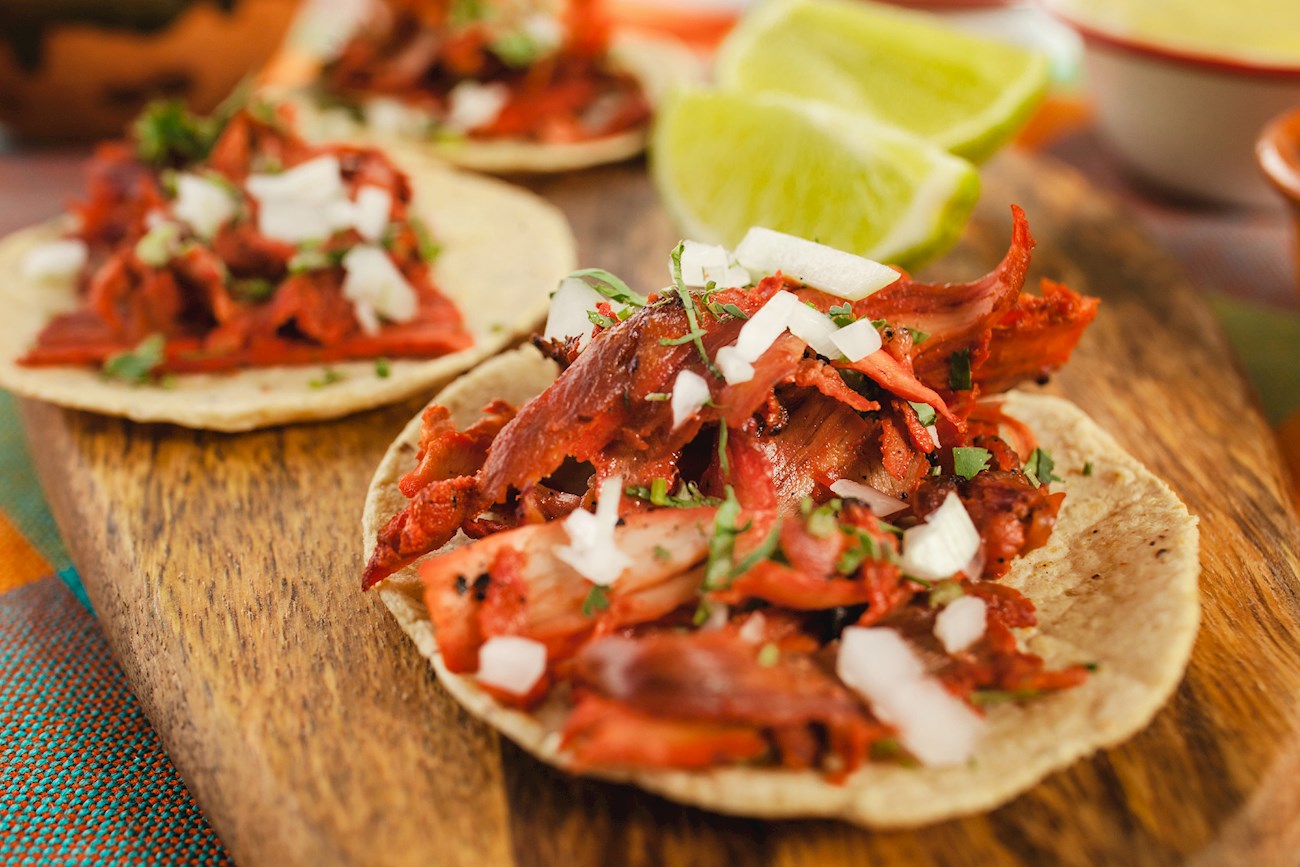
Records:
x=725, y=161
x=962, y=92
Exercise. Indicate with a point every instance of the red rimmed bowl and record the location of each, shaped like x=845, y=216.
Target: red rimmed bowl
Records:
x=1183, y=116
x=1278, y=153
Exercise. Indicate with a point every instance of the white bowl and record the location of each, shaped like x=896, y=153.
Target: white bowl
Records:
x=1181, y=119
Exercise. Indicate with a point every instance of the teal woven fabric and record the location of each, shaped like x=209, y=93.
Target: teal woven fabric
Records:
x=83, y=778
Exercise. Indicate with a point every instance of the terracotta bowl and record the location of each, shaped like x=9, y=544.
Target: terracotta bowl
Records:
x=86, y=76
x=1184, y=120
x=1278, y=153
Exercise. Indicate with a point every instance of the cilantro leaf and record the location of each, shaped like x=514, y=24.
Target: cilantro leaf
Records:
x=925, y=413
x=138, y=364
x=1039, y=468
x=968, y=461
x=959, y=376
x=382, y=368
x=688, y=303
x=842, y=314
x=611, y=286
x=329, y=376
x=688, y=495
x=597, y=600
x=595, y=317
x=769, y=655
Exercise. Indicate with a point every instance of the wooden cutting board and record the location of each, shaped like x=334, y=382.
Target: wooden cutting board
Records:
x=224, y=569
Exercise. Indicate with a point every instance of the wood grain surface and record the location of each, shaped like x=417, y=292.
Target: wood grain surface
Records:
x=224, y=569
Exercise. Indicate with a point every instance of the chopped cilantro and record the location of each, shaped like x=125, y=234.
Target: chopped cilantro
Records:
x=1087, y=468
x=429, y=248
x=722, y=543
x=310, y=257
x=918, y=336
x=662, y=553
x=864, y=547
x=659, y=395
x=766, y=550
x=156, y=247
x=945, y=592
x=328, y=377
x=988, y=697
x=688, y=303
x=722, y=449
x=688, y=495
x=595, y=317
x=769, y=655
x=382, y=368
x=925, y=413
x=1091, y=667
x=1039, y=468
x=969, y=461
x=597, y=600
x=253, y=289
x=610, y=286
x=167, y=134
x=821, y=521
x=138, y=364
x=688, y=337
x=516, y=49
x=959, y=377
x=735, y=311
x=702, y=613
x=842, y=315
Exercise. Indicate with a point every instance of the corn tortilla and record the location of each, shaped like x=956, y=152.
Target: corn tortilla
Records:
x=1116, y=585
x=659, y=65
x=503, y=252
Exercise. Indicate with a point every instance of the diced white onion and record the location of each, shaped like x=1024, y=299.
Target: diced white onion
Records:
x=762, y=329
x=690, y=393
x=703, y=264
x=936, y=727
x=570, y=303
x=592, y=551
x=157, y=246
x=373, y=205
x=472, y=104
x=941, y=546
x=933, y=431
x=374, y=285
x=511, y=663
x=392, y=117
x=814, y=328
x=202, y=203
x=754, y=629
x=317, y=180
x=55, y=260
x=881, y=503
x=852, y=277
x=857, y=340
x=305, y=203
x=734, y=368
x=718, y=614
x=961, y=623
x=544, y=30
x=696, y=257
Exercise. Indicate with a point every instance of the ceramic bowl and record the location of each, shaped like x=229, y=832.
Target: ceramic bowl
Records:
x=1278, y=153
x=1184, y=119
x=84, y=69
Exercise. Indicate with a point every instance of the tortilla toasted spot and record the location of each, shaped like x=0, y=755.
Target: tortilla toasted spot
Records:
x=1124, y=596
x=503, y=249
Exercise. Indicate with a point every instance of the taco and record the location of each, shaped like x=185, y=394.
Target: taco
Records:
x=225, y=274
x=850, y=576
x=498, y=86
